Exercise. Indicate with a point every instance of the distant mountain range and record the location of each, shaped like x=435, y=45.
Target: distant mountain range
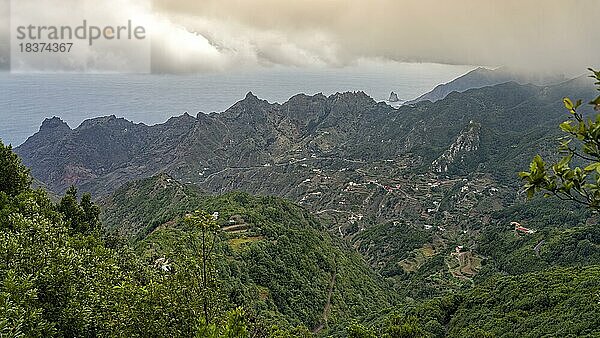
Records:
x=483, y=77
x=255, y=135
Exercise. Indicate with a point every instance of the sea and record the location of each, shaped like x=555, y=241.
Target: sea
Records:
x=27, y=99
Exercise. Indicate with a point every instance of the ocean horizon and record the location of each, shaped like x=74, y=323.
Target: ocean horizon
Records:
x=27, y=99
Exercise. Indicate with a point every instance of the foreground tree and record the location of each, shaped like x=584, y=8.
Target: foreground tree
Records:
x=580, y=184
x=356, y=330
x=81, y=217
x=14, y=176
x=202, y=241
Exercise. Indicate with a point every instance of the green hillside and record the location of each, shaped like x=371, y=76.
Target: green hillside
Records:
x=275, y=257
x=561, y=302
x=278, y=271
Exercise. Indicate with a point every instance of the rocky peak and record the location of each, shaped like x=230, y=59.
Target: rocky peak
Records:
x=183, y=119
x=251, y=100
x=356, y=100
x=55, y=124
x=302, y=105
x=300, y=99
x=354, y=96
x=51, y=130
x=250, y=103
x=104, y=121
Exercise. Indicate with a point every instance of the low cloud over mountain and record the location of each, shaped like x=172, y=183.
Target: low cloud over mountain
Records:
x=220, y=35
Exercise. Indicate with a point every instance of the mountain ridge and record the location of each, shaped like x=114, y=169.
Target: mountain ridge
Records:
x=484, y=77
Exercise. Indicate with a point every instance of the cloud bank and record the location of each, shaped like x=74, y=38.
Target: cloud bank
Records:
x=224, y=35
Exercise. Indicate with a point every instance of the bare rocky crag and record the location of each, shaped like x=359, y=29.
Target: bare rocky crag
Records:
x=466, y=143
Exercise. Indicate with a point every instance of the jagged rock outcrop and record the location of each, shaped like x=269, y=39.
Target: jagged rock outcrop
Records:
x=250, y=133
x=466, y=143
x=393, y=97
x=219, y=149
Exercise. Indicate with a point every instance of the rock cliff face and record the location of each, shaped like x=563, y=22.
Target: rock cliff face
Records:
x=466, y=143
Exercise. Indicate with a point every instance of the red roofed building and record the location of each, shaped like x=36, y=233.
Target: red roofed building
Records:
x=520, y=228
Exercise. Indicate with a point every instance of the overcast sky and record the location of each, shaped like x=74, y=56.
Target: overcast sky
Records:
x=226, y=35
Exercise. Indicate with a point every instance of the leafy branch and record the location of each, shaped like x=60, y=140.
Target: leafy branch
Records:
x=580, y=185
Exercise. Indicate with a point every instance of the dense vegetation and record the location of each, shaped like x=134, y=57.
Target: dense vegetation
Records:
x=167, y=259
x=559, y=302
x=273, y=268
x=274, y=256
x=61, y=277
x=580, y=184
x=58, y=277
